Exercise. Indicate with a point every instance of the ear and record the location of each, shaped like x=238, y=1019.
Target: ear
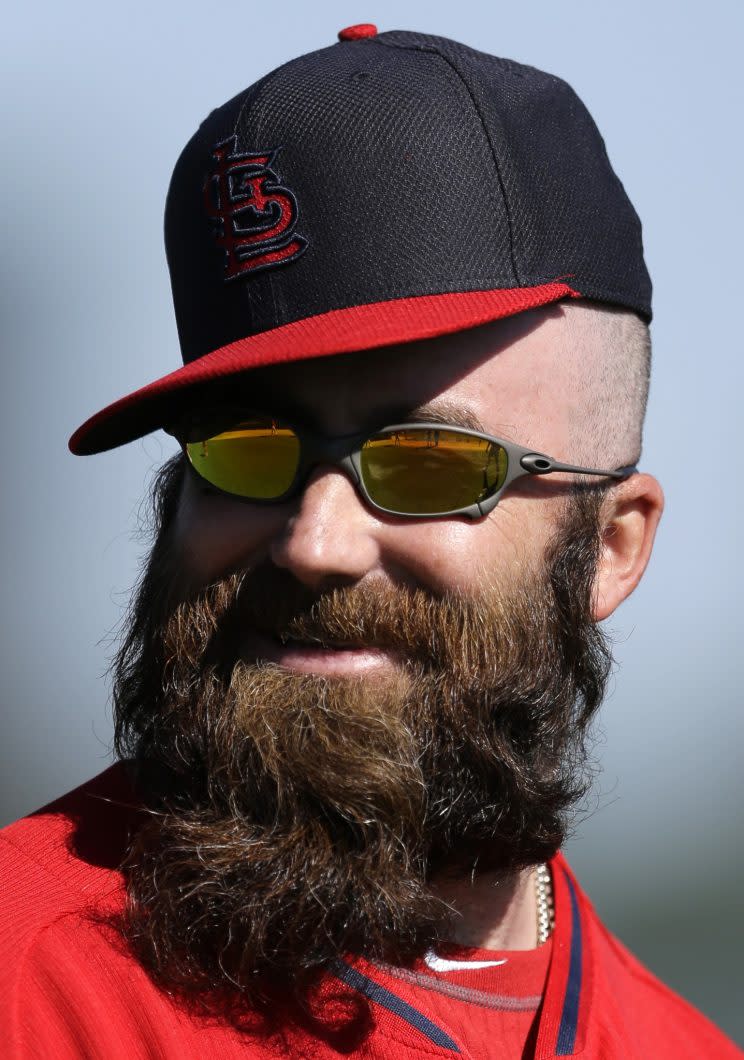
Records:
x=630, y=517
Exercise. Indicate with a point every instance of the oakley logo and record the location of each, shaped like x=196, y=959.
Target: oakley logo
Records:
x=254, y=216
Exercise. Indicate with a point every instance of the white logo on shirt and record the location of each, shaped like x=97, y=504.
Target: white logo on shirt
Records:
x=440, y=964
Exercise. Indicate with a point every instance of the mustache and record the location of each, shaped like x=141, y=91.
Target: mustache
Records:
x=425, y=629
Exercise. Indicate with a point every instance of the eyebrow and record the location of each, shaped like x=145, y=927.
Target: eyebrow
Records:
x=442, y=410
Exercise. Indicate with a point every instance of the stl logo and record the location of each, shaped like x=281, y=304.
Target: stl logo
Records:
x=254, y=217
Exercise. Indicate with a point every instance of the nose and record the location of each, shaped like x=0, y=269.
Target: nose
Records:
x=331, y=536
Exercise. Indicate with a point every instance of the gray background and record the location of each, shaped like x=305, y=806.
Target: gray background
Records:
x=97, y=100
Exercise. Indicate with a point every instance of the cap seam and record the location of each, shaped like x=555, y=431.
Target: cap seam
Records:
x=262, y=82
x=472, y=285
x=435, y=51
x=251, y=96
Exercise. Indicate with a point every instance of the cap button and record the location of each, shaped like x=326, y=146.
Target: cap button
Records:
x=359, y=32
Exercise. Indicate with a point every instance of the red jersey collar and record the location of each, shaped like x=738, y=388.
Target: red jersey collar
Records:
x=564, y=1013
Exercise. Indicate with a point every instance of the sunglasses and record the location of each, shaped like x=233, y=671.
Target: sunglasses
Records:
x=419, y=470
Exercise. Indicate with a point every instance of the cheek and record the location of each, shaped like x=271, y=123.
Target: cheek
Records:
x=460, y=554
x=214, y=535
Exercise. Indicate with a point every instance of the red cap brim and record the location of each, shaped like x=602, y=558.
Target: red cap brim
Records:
x=338, y=331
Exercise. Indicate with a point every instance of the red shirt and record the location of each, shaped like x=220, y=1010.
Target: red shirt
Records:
x=67, y=991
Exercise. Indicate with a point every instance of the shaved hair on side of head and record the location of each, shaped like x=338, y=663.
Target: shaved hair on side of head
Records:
x=608, y=352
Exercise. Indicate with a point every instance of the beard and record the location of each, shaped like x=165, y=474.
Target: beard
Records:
x=292, y=818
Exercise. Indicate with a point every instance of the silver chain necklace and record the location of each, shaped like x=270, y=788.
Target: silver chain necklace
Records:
x=544, y=896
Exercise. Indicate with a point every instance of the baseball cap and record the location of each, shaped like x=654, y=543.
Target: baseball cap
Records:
x=389, y=188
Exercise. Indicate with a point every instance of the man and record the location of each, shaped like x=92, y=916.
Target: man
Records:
x=352, y=698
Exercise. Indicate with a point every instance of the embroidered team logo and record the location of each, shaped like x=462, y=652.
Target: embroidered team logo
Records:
x=254, y=216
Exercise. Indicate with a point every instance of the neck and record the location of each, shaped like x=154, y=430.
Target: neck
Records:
x=492, y=911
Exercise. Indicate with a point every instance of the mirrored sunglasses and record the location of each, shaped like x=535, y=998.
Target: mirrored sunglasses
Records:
x=419, y=470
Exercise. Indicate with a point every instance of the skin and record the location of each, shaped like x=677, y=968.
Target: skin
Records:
x=510, y=376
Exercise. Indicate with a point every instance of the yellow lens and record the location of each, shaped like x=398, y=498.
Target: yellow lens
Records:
x=256, y=459
x=427, y=471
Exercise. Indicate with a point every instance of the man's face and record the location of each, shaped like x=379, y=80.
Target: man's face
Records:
x=329, y=706
x=506, y=378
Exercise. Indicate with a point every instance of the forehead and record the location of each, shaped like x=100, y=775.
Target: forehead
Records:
x=498, y=377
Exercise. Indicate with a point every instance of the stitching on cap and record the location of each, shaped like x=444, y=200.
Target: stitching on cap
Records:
x=435, y=51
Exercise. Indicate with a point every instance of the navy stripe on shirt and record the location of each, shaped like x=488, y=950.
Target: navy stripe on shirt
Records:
x=570, y=1013
x=393, y=1004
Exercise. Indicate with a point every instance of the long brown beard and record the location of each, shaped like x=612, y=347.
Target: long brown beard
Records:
x=295, y=818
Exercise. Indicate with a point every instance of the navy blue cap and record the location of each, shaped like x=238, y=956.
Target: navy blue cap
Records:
x=388, y=188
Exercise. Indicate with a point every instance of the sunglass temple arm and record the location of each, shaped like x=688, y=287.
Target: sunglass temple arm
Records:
x=537, y=464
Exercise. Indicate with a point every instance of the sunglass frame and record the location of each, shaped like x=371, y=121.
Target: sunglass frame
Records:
x=344, y=451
